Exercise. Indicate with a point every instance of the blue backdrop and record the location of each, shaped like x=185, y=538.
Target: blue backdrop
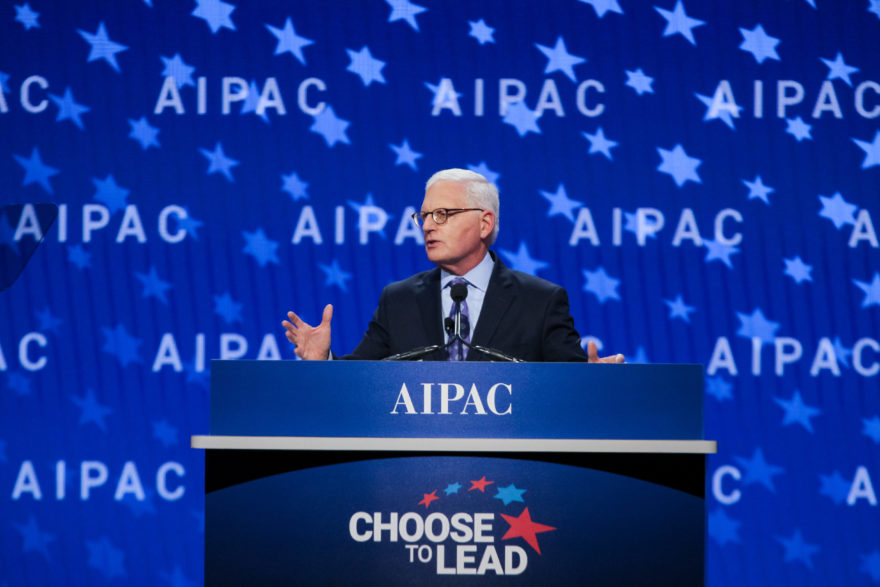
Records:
x=702, y=177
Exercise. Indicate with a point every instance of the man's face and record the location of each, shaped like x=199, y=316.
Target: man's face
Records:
x=457, y=245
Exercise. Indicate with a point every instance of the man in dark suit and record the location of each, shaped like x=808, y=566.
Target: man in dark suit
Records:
x=521, y=315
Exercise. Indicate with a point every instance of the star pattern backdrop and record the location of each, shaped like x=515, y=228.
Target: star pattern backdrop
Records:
x=702, y=177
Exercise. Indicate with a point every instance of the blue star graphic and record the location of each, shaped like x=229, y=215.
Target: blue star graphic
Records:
x=723, y=529
x=838, y=69
x=640, y=357
x=48, y=321
x=716, y=251
x=510, y=494
x=252, y=102
x=632, y=224
x=365, y=65
x=34, y=540
x=724, y=116
x=144, y=133
x=27, y=17
x=189, y=224
x=559, y=59
x=599, y=143
x=602, y=285
x=332, y=128
x=216, y=13
x=521, y=260
x=719, y=388
x=110, y=194
x=7, y=234
x=165, y=433
x=640, y=82
x=35, y=171
x=872, y=291
x=405, y=10
x=68, y=109
x=371, y=212
x=678, y=165
x=452, y=488
x=260, y=247
x=483, y=169
x=678, y=22
x=838, y=210
x=119, y=343
x=761, y=45
x=797, y=549
x=405, y=155
x=219, y=162
x=872, y=151
x=799, y=129
x=759, y=470
x=871, y=561
x=289, y=41
x=798, y=270
x=153, y=286
x=102, y=46
x=200, y=378
x=843, y=353
x=603, y=6
x=522, y=119
x=560, y=203
x=106, y=558
x=77, y=255
x=4, y=87
x=481, y=31
x=871, y=428
x=757, y=190
x=140, y=507
x=176, y=68
x=18, y=384
x=678, y=309
x=835, y=487
x=757, y=325
x=874, y=6
x=92, y=410
x=797, y=412
x=177, y=579
x=293, y=185
x=335, y=275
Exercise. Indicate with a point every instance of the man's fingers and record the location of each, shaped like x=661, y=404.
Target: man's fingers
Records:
x=592, y=352
x=328, y=314
x=297, y=321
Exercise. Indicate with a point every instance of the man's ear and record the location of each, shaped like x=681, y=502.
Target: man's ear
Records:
x=487, y=223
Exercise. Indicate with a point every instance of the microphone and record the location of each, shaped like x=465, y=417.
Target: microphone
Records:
x=448, y=325
x=458, y=292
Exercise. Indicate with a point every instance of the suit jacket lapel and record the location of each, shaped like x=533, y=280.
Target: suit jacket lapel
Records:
x=431, y=309
x=495, y=305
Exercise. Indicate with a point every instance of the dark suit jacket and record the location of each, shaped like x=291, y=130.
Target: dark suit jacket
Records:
x=524, y=316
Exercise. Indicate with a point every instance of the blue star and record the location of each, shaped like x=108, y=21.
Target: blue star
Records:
x=289, y=41
x=365, y=65
x=838, y=69
x=716, y=251
x=252, y=102
x=758, y=470
x=334, y=275
x=483, y=169
x=119, y=343
x=27, y=17
x=872, y=291
x=640, y=357
x=757, y=189
x=756, y=325
x=719, y=388
x=761, y=45
x=835, y=487
x=481, y=31
x=640, y=82
x=522, y=261
x=77, y=255
x=632, y=224
x=260, y=247
x=603, y=6
x=797, y=412
x=677, y=21
x=105, y=558
x=725, y=116
x=68, y=109
x=139, y=507
x=871, y=561
x=18, y=383
x=193, y=375
x=678, y=309
x=92, y=411
x=144, y=133
x=843, y=353
x=369, y=211
x=559, y=59
x=796, y=549
x=215, y=13
x=35, y=171
x=602, y=285
x=405, y=10
x=4, y=87
x=294, y=186
x=798, y=270
x=177, y=579
x=110, y=194
x=176, y=68
x=34, y=539
x=330, y=127
x=510, y=494
x=679, y=166
x=189, y=224
x=799, y=129
x=7, y=234
x=723, y=529
x=872, y=428
x=165, y=433
x=219, y=162
x=600, y=144
x=560, y=203
x=48, y=321
x=520, y=117
x=405, y=155
x=153, y=286
x=102, y=46
x=452, y=488
x=837, y=210
x=874, y=6
x=872, y=151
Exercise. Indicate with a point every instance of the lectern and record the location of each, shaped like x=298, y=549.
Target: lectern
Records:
x=378, y=473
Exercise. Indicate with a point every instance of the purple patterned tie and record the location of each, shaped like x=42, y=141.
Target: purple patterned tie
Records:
x=457, y=347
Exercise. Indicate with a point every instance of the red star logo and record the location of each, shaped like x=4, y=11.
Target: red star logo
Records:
x=523, y=527
x=429, y=497
x=481, y=484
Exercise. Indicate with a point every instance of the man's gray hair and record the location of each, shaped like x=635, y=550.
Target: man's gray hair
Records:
x=479, y=192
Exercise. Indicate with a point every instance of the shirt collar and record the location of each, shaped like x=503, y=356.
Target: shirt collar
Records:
x=478, y=276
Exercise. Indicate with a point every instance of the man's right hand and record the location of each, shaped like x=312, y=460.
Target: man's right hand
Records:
x=312, y=342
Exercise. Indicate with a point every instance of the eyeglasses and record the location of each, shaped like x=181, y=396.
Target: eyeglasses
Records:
x=440, y=215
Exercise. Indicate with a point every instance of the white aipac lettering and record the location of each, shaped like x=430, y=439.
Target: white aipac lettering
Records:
x=788, y=350
x=584, y=228
x=270, y=97
x=169, y=97
x=27, y=482
x=858, y=349
x=723, y=101
x=719, y=227
x=370, y=219
x=307, y=226
x=549, y=99
x=861, y=488
x=162, y=481
x=269, y=349
x=827, y=101
x=302, y=96
x=717, y=481
x=28, y=223
x=784, y=99
x=863, y=231
x=129, y=482
x=24, y=357
x=25, y=94
x=408, y=229
x=167, y=354
x=228, y=96
x=581, y=98
x=89, y=481
x=90, y=222
x=722, y=358
x=131, y=225
x=649, y=221
x=169, y=211
x=3, y=366
x=505, y=98
x=687, y=229
x=825, y=358
x=446, y=98
x=232, y=346
x=404, y=399
x=860, y=99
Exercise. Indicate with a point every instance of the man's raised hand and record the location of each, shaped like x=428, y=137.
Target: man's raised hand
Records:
x=312, y=342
